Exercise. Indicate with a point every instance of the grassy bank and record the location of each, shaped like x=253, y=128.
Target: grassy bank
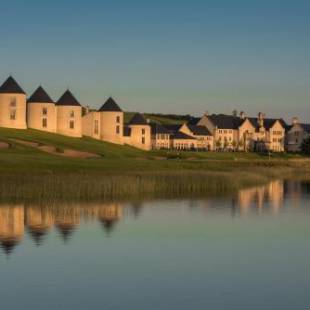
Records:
x=123, y=172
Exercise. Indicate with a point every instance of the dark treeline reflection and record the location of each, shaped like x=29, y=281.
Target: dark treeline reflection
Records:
x=38, y=220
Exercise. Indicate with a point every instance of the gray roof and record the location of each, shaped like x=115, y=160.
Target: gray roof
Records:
x=268, y=122
x=199, y=130
x=158, y=129
x=223, y=121
x=173, y=128
x=306, y=127
x=138, y=119
x=40, y=96
x=10, y=86
x=67, y=99
x=181, y=136
x=110, y=106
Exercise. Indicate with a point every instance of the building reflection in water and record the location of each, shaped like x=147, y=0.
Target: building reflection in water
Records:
x=270, y=196
x=11, y=227
x=40, y=220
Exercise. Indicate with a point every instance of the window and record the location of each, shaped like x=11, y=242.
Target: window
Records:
x=72, y=114
x=117, y=130
x=143, y=131
x=12, y=114
x=44, y=122
x=143, y=140
x=96, y=127
x=13, y=102
x=71, y=124
x=44, y=111
x=118, y=119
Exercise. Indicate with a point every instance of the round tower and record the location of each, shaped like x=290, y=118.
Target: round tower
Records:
x=69, y=116
x=41, y=111
x=12, y=105
x=112, y=122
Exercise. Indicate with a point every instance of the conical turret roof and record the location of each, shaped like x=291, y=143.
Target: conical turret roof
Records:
x=40, y=96
x=67, y=99
x=10, y=86
x=138, y=119
x=110, y=106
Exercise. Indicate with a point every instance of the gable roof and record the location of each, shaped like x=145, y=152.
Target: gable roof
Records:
x=181, y=136
x=40, y=96
x=268, y=122
x=199, y=130
x=138, y=119
x=158, y=129
x=172, y=128
x=10, y=86
x=110, y=106
x=223, y=121
x=67, y=99
x=194, y=120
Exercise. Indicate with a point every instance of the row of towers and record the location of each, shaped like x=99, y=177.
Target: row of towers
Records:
x=64, y=116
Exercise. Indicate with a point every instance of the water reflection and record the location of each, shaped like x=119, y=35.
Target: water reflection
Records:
x=38, y=221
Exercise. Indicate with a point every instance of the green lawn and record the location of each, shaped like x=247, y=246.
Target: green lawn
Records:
x=116, y=158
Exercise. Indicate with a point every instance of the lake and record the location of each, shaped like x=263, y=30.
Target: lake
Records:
x=248, y=250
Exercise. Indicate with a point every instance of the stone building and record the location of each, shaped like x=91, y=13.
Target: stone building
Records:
x=232, y=132
x=296, y=134
x=41, y=111
x=137, y=133
x=12, y=105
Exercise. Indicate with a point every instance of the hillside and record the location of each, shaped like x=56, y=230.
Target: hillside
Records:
x=29, y=151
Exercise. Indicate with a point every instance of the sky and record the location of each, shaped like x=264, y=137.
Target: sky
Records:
x=173, y=56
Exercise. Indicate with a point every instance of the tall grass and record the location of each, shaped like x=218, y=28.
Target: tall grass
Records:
x=51, y=188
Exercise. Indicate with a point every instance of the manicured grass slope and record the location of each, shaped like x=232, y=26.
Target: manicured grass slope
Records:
x=115, y=158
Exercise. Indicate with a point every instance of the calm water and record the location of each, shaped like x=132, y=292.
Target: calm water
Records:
x=250, y=251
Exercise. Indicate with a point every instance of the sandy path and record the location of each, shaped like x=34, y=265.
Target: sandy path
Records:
x=4, y=145
x=53, y=150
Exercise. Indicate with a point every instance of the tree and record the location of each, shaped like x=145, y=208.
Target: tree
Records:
x=234, y=145
x=305, y=146
x=218, y=144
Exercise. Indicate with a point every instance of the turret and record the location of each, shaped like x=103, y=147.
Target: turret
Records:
x=41, y=111
x=69, y=115
x=112, y=121
x=12, y=105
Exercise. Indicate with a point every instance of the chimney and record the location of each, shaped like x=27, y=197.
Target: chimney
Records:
x=242, y=115
x=261, y=119
x=148, y=121
x=206, y=113
x=86, y=109
x=295, y=121
x=235, y=113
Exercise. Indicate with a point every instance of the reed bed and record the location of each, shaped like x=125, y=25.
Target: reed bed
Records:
x=52, y=188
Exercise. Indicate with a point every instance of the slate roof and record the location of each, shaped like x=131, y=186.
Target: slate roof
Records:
x=194, y=120
x=10, y=86
x=268, y=122
x=138, y=119
x=173, y=128
x=181, y=136
x=223, y=121
x=158, y=129
x=199, y=130
x=67, y=99
x=306, y=127
x=40, y=96
x=110, y=106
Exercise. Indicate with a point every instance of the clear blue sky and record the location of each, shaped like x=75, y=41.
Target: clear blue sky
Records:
x=163, y=56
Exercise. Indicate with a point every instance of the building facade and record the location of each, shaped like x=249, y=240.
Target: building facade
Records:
x=296, y=134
